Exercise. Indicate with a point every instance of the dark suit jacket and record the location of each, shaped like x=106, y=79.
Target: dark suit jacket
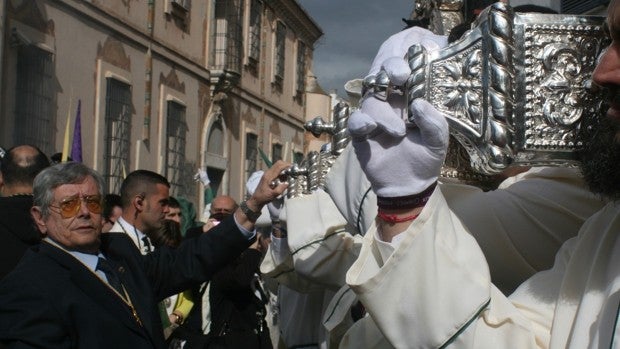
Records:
x=51, y=300
x=236, y=313
x=17, y=231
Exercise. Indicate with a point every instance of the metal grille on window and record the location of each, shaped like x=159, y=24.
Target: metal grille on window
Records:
x=301, y=67
x=251, y=153
x=254, y=37
x=176, y=132
x=34, y=123
x=117, y=128
x=228, y=35
x=276, y=152
x=279, y=54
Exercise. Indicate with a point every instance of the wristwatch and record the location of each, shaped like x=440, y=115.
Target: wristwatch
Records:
x=252, y=215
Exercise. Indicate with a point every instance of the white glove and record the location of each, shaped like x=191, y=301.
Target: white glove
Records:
x=274, y=207
x=202, y=176
x=399, y=160
x=391, y=57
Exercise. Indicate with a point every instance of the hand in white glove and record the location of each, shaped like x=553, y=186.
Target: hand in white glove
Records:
x=405, y=165
x=390, y=114
x=399, y=161
x=202, y=176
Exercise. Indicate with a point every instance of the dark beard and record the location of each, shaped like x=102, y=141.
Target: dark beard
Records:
x=600, y=157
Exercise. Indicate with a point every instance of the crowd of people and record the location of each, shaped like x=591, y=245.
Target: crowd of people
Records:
x=386, y=256
x=66, y=283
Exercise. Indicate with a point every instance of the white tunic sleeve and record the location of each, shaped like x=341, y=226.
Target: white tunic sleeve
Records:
x=435, y=289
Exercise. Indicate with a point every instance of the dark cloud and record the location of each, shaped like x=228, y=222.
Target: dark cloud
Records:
x=353, y=31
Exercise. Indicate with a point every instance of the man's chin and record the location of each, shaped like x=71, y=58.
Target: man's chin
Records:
x=600, y=159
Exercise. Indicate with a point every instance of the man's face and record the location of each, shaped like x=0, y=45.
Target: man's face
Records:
x=174, y=214
x=607, y=72
x=222, y=207
x=155, y=208
x=117, y=211
x=600, y=157
x=80, y=231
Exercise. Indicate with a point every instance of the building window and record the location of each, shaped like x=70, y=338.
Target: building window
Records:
x=176, y=133
x=251, y=153
x=301, y=69
x=34, y=123
x=298, y=157
x=254, y=32
x=215, y=144
x=180, y=9
x=215, y=150
x=279, y=54
x=276, y=152
x=182, y=5
x=227, y=35
x=117, y=126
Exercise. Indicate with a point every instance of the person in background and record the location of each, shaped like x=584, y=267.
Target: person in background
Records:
x=236, y=296
x=112, y=209
x=197, y=326
x=188, y=214
x=18, y=168
x=221, y=207
x=174, y=210
x=178, y=306
x=56, y=158
x=144, y=195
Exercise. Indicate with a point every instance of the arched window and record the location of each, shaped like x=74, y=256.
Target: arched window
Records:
x=215, y=143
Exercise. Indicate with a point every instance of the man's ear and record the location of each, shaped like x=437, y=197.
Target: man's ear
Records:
x=138, y=202
x=37, y=216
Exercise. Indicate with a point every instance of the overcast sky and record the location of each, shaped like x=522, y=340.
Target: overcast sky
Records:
x=353, y=31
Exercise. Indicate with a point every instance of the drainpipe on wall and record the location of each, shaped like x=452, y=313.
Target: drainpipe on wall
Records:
x=148, y=78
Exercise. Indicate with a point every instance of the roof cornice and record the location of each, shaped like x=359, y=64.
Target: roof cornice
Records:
x=297, y=17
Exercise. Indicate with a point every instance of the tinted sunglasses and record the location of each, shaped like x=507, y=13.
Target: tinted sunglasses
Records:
x=220, y=216
x=70, y=207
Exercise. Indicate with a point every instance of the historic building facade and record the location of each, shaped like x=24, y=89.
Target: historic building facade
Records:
x=165, y=85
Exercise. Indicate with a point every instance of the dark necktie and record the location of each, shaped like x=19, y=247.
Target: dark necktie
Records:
x=113, y=279
x=147, y=244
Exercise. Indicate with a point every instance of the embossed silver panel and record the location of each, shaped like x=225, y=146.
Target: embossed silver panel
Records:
x=515, y=88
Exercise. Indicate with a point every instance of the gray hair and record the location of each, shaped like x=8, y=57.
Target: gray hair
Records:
x=57, y=175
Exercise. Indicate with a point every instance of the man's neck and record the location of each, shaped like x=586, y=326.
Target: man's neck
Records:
x=131, y=218
x=10, y=190
x=94, y=249
x=130, y=221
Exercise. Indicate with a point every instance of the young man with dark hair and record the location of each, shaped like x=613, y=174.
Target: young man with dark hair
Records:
x=174, y=210
x=145, y=196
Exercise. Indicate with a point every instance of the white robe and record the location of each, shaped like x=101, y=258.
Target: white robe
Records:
x=435, y=289
x=549, y=204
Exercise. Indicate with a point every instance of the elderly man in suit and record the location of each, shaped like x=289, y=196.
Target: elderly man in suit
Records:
x=83, y=289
